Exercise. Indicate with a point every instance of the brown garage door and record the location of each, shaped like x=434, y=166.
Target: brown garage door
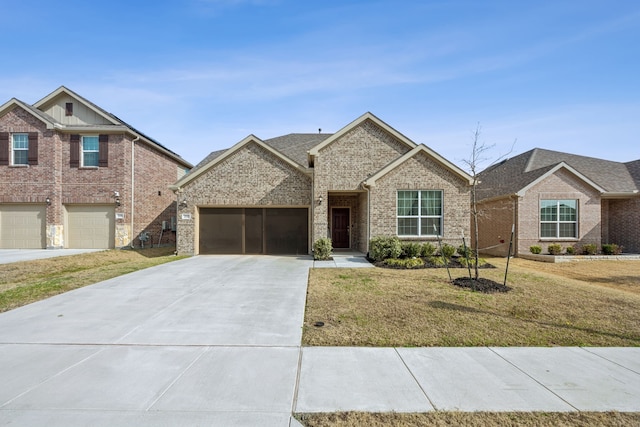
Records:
x=254, y=231
x=90, y=226
x=22, y=226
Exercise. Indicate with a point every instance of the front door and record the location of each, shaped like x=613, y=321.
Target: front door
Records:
x=340, y=227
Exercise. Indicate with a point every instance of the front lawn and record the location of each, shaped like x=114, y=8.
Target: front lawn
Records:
x=399, y=308
x=25, y=282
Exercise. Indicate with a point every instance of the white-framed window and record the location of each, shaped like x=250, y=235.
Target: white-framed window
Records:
x=419, y=212
x=90, y=151
x=20, y=149
x=559, y=219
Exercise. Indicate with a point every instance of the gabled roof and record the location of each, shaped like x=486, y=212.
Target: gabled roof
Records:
x=218, y=156
x=518, y=174
x=13, y=102
x=370, y=182
x=367, y=116
x=117, y=125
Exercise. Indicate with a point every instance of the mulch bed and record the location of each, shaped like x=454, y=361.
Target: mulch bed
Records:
x=486, y=286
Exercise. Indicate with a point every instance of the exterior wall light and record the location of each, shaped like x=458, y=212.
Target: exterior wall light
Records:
x=48, y=201
x=183, y=204
x=320, y=200
x=117, y=201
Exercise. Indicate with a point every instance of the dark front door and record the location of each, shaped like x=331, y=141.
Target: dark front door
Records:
x=340, y=227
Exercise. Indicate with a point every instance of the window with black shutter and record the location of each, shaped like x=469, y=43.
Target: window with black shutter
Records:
x=33, y=148
x=103, y=155
x=74, y=145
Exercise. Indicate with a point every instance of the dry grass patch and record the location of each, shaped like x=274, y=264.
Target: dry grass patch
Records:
x=25, y=282
x=486, y=419
x=623, y=275
x=381, y=307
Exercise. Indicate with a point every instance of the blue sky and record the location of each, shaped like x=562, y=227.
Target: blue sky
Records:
x=200, y=75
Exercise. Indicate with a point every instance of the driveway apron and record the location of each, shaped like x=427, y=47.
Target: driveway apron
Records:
x=202, y=341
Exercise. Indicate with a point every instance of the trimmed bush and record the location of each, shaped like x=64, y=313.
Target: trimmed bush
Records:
x=322, y=249
x=611, y=249
x=411, y=249
x=590, y=249
x=570, y=250
x=554, y=249
x=447, y=251
x=404, y=263
x=381, y=248
x=535, y=249
x=428, y=249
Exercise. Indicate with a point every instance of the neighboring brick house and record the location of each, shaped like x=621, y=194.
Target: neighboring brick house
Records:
x=554, y=197
x=282, y=194
x=75, y=176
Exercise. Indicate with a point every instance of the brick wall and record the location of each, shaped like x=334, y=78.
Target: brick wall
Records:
x=495, y=219
x=154, y=201
x=345, y=164
x=252, y=176
x=624, y=224
x=561, y=185
x=421, y=173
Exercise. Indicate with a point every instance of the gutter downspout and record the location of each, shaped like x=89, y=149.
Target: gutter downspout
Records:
x=133, y=181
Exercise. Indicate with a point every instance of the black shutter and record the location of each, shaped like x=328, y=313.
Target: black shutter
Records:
x=103, y=154
x=32, y=156
x=74, y=158
x=4, y=148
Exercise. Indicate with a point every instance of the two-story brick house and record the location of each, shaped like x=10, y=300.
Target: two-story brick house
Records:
x=73, y=175
x=280, y=195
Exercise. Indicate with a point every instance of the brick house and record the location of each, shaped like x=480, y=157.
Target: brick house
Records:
x=554, y=197
x=280, y=195
x=75, y=176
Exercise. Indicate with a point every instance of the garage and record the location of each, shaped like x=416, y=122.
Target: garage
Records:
x=271, y=231
x=22, y=226
x=90, y=226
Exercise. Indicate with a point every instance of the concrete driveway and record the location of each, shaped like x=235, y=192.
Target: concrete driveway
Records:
x=201, y=341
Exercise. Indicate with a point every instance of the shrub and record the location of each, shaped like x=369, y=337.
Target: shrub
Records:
x=554, y=249
x=447, y=251
x=322, y=249
x=611, y=249
x=411, y=249
x=570, y=250
x=465, y=251
x=427, y=250
x=590, y=249
x=535, y=249
x=472, y=262
x=404, y=263
x=381, y=248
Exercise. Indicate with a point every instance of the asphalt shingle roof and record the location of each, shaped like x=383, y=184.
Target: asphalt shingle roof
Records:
x=510, y=176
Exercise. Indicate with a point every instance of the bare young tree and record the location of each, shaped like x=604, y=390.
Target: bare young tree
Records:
x=477, y=157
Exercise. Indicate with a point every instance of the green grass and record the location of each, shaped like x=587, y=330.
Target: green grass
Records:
x=22, y=283
x=406, y=308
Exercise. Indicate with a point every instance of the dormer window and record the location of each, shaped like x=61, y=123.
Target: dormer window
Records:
x=68, y=109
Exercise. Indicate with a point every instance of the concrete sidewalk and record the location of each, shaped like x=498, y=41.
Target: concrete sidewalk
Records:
x=469, y=379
